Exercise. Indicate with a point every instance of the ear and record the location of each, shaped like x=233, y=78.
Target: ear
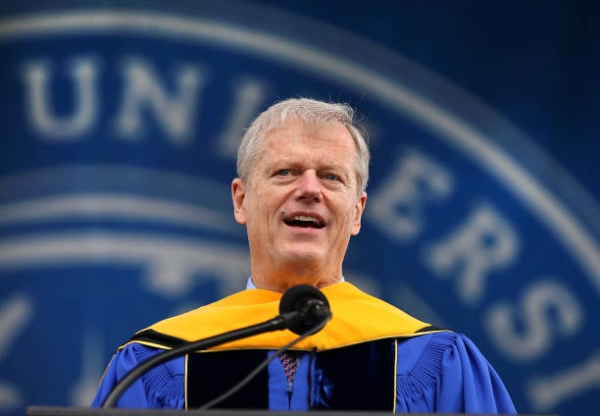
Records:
x=358, y=210
x=238, y=193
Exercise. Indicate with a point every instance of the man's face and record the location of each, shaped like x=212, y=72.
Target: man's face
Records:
x=300, y=204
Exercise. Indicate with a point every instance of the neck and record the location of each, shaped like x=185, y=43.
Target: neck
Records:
x=283, y=275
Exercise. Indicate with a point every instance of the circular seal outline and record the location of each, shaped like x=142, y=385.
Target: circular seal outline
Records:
x=453, y=129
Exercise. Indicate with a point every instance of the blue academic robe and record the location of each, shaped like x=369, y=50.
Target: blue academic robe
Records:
x=440, y=372
x=426, y=370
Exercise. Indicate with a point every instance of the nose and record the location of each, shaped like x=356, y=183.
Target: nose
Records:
x=309, y=187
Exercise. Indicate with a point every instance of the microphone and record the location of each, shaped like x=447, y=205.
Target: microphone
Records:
x=307, y=306
x=303, y=310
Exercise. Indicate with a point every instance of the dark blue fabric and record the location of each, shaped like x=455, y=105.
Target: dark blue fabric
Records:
x=212, y=374
x=359, y=377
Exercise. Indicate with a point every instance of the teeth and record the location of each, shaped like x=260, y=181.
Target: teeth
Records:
x=306, y=219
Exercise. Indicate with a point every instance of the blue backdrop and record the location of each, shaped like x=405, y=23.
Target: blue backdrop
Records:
x=119, y=125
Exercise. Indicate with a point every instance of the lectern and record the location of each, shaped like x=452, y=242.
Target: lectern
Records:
x=74, y=411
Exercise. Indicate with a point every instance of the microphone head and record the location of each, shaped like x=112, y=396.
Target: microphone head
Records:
x=311, y=305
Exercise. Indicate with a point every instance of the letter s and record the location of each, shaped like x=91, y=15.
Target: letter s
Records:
x=526, y=333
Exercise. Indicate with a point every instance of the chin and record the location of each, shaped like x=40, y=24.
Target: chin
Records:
x=305, y=256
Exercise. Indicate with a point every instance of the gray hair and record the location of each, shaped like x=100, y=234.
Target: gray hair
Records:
x=310, y=112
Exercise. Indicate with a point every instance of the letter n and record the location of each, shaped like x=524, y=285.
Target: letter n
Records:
x=144, y=92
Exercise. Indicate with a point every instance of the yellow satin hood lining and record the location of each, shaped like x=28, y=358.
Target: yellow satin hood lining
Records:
x=357, y=317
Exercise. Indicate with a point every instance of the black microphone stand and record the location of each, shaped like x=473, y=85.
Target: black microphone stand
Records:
x=281, y=321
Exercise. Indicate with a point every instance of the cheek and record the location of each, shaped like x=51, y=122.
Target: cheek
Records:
x=260, y=209
x=345, y=221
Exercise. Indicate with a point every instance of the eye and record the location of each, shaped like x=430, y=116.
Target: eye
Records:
x=331, y=177
x=284, y=172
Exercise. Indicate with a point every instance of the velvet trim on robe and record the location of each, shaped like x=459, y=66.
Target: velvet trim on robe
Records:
x=369, y=383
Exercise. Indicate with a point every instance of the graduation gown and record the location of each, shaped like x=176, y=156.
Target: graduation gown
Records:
x=370, y=356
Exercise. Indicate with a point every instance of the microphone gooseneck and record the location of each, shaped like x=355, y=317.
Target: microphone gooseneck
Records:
x=304, y=310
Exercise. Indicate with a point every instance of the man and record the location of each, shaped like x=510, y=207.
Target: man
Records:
x=303, y=171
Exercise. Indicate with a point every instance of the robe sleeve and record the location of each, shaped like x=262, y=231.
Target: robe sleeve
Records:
x=446, y=373
x=162, y=387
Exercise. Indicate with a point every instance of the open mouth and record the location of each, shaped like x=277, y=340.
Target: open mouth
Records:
x=304, y=221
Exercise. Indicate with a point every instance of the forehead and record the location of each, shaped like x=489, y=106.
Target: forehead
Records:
x=325, y=139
